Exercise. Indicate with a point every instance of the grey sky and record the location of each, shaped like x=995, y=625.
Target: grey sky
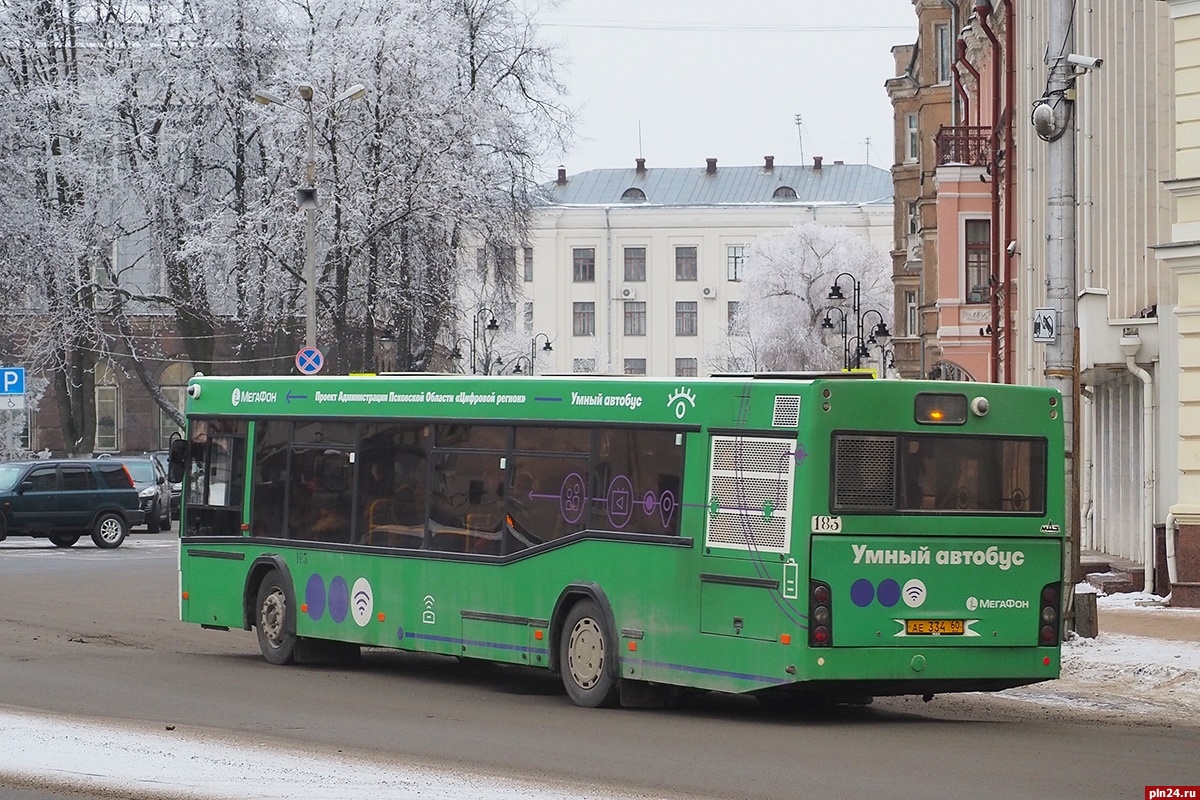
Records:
x=725, y=80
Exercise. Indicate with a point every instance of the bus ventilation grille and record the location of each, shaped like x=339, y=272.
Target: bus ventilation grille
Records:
x=787, y=411
x=864, y=473
x=750, y=493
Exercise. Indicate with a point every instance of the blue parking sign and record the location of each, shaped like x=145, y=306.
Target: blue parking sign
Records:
x=12, y=380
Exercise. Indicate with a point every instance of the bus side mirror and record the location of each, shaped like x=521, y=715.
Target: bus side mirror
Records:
x=177, y=460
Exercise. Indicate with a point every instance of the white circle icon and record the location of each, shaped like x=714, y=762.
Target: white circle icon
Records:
x=913, y=593
x=361, y=602
x=972, y=603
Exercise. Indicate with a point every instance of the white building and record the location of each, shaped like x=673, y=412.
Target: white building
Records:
x=638, y=270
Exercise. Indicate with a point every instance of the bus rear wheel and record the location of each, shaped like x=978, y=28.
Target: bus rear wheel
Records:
x=275, y=621
x=588, y=657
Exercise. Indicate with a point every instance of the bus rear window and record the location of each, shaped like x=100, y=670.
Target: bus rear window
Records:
x=884, y=473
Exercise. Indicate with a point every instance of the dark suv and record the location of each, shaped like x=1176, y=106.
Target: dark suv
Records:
x=64, y=499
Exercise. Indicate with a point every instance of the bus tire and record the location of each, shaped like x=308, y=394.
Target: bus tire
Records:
x=63, y=539
x=588, y=657
x=275, y=620
x=109, y=531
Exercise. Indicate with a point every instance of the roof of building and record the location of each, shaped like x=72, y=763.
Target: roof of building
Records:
x=835, y=183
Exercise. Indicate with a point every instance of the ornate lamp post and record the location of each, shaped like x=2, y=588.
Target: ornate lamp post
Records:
x=546, y=348
x=457, y=354
x=492, y=325
x=517, y=369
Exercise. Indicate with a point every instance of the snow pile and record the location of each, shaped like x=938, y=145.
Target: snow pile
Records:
x=1129, y=674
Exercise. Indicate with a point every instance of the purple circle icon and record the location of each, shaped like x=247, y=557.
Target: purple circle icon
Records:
x=889, y=593
x=339, y=599
x=314, y=596
x=620, y=501
x=862, y=592
x=649, y=502
x=572, y=498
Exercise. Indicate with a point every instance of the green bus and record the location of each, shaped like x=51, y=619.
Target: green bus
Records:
x=798, y=537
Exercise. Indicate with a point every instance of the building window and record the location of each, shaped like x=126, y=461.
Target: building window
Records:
x=914, y=222
x=784, y=193
x=685, y=263
x=910, y=312
x=944, y=57
x=583, y=264
x=166, y=425
x=633, y=195
x=106, y=418
x=912, y=138
x=529, y=317
x=635, y=263
x=635, y=318
x=733, y=328
x=736, y=259
x=583, y=319
x=685, y=319
x=583, y=365
x=635, y=366
x=685, y=367
x=528, y=264
x=978, y=258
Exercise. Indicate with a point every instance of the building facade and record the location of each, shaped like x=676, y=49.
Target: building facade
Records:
x=639, y=270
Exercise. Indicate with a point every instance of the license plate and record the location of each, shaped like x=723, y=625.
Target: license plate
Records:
x=933, y=627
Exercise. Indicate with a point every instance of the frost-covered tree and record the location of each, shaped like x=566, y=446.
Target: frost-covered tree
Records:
x=785, y=291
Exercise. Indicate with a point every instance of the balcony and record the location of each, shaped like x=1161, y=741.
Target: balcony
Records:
x=964, y=144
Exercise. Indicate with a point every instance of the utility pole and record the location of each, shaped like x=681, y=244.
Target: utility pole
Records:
x=1062, y=360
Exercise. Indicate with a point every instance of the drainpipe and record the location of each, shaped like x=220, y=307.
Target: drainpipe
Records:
x=1010, y=157
x=1130, y=343
x=961, y=46
x=608, y=289
x=1087, y=503
x=983, y=8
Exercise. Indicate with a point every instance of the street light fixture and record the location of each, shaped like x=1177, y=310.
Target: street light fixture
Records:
x=456, y=353
x=546, y=348
x=306, y=196
x=492, y=325
x=517, y=368
x=879, y=334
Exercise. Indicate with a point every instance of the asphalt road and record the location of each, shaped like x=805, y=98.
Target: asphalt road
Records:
x=95, y=633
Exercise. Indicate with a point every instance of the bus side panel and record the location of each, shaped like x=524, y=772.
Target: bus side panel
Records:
x=211, y=580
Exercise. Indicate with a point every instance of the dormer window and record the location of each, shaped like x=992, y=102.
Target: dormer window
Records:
x=785, y=193
x=633, y=195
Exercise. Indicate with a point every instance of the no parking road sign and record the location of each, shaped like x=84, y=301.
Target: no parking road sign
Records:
x=309, y=360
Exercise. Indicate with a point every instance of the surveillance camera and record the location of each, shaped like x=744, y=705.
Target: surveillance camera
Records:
x=193, y=390
x=1012, y=247
x=1086, y=62
x=1043, y=119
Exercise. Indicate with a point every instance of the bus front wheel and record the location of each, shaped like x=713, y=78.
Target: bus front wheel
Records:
x=276, y=623
x=588, y=657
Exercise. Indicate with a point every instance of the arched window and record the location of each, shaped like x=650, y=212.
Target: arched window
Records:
x=633, y=195
x=785, y=193
x=173, y=383
x=107, y=410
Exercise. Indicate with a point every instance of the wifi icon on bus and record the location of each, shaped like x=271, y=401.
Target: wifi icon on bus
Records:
x=362, y=602
x=913, y=593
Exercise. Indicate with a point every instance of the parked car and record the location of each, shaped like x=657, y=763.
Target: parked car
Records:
x=150, y=479
x=163, y=458
x=63, y=499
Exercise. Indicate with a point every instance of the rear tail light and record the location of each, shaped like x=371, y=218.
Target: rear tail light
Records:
x=820, y=614
x=1048, y=618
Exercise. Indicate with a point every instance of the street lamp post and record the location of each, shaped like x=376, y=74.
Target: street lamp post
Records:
x=306, y=196
x=879, y=333
x=456, y=353
x=517, y=368
x=492, y=325
x=827, y=328
x=546, y=348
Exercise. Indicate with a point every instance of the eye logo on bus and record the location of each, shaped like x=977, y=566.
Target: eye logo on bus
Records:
x=681, y=399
